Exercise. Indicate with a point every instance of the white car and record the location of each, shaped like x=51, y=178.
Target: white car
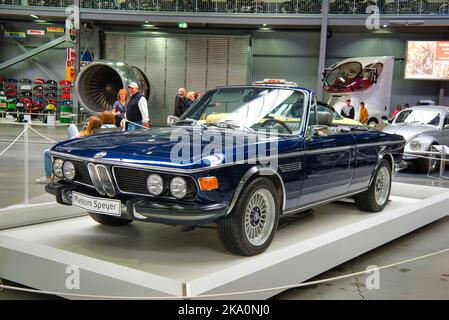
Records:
x=422, y=127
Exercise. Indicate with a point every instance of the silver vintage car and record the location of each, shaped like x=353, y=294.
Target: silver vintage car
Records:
x=422, y=127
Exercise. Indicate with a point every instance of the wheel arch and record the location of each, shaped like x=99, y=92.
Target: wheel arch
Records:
x=387, y=156
x=260, y=171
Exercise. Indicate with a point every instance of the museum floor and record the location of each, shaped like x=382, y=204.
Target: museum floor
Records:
x=426, y=279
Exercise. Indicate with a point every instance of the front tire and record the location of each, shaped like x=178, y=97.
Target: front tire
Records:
x=376, y=197
x=250, y=227
x=109, y=220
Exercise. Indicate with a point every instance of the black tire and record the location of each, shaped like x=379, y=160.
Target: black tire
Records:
x=109, y=220
x=366, y=201
x=231, y=229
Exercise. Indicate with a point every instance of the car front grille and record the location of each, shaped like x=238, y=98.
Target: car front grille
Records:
x=101, y=179
x=82, y=174
x=134, y=181
x=131, y=180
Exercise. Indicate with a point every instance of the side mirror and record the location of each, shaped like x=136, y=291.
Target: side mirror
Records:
x=317, y=131
x=446, y=126
x=172, y=120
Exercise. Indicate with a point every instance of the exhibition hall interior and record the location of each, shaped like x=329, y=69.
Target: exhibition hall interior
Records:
x=224, y=149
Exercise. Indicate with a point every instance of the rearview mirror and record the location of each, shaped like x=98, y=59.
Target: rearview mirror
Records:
x=172, y=120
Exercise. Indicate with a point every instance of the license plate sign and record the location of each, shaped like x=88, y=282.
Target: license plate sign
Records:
x=99, y=205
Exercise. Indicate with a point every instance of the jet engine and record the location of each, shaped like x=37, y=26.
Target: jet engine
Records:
x=99, y=82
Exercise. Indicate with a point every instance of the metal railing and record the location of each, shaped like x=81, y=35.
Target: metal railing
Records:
x=343, y=7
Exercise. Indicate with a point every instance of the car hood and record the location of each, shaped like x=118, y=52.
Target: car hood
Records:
x=409, y=132
x=160, y=147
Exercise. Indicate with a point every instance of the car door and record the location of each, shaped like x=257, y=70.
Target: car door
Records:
x=329, y=161
x=367, y=154
x=444, y=139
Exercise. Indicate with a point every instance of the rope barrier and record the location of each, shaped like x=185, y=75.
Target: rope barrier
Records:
x=281, y=288
x=46, y=138
x=14, y=141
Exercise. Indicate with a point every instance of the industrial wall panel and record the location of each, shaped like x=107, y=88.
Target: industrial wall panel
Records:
x=155, y=68
x=196, y=59
x=197, y=63
x=217, y=62
x=176, y=66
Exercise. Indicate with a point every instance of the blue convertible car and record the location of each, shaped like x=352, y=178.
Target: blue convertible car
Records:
x=239, y=157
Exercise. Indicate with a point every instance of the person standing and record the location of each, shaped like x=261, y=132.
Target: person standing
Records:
x=119, y=107
x=190, y=98
x=348, y=110
x=136, y=116
x=364, y=116
x=180, y=102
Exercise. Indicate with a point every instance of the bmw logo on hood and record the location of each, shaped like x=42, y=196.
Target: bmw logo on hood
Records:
x=100, y=155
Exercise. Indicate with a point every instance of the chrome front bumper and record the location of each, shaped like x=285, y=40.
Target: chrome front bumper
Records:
x=141, y=209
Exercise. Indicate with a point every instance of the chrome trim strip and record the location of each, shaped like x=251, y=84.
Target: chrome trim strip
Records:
x=374, y=144
x=83, y=184
x=106, y=180
x=187, y=171
x=293, y=210
x=327, y=150
x=174, y=217
x=95, y=179
x=247, y=176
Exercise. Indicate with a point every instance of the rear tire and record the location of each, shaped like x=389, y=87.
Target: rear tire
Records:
x=250, y=227
x=109, y=220
x=376, y=197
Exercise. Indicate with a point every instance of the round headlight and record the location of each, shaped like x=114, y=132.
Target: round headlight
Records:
x=57, y=168
x=155, y=184
x=178, y=187
x=68, y=170
x=415, y=145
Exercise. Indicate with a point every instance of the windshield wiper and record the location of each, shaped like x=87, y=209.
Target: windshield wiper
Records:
x=189, y=122
x=223, y=125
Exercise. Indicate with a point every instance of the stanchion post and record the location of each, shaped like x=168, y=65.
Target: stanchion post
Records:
x=25, y=160
x=442, y=163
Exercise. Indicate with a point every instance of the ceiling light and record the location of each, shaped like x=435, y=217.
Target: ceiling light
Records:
x=34, y=16
x=264, y=25
x=40, y=21
x=183, y=25
x=148, y=25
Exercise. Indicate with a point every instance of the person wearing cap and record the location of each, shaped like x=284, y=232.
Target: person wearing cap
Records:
x=137, y=109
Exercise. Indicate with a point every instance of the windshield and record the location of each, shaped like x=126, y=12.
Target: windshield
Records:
x=427, y=117
x=325, y=108
x=344, y=74
x=256, y=108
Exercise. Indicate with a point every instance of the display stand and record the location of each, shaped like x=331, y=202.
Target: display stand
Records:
x=154, y=260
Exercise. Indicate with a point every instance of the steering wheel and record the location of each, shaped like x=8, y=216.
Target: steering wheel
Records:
x=282, y=123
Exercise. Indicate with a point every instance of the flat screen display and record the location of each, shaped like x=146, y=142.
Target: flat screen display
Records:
x=427, y=60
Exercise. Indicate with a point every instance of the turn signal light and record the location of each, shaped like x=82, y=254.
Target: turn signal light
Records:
x=208, y=183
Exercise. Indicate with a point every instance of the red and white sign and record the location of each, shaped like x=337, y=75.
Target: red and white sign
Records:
x=36, y=32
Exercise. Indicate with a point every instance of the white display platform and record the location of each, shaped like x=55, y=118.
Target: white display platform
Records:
x=149, y=260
